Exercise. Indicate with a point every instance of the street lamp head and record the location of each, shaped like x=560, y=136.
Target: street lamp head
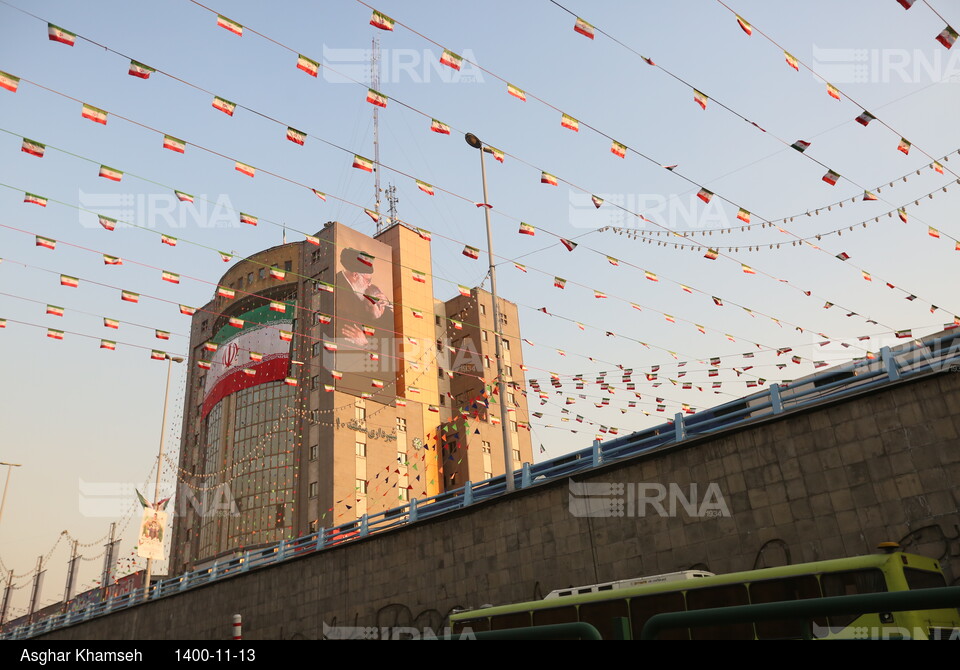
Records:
x=175, y=359
x=473, y=141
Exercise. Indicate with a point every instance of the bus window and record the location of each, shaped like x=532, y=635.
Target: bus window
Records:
x=601, y=615
x=780, y=590
x=474, y=625
x=923, y=579
x=849, y=584
x=641, y=609
x=554, y=615
x=512, y=620
x=720, y=596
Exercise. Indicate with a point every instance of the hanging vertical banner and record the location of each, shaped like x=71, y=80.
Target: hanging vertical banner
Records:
x=153, y=527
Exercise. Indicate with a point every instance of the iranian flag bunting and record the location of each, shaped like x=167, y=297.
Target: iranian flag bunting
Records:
x=947, y=37
x=800, y=146
x=451, y=59
x=717, y=301
x=224, y=105
x=868, y=196
x=747, y=269
x=527, y=229
x=53, y=310
x=174, y=144
x=111, y=323
x=523, y=268
x=584, y=28
x=743, y=215
x=95, y=114
x=569, y=122
x=372, y=214
x=243, y=168
x=33, y=148
x=866, y=275
x=547, y=178
x=791, y=61
x=938, y=168
x=278, y=307
x=705, y=195
x=205, y=365
x=169, y=240
x=471, y=252
x=129, y=296
x=286, y=336
x=865, y=118
x=902, y=213
x=225, y=257
x=516, y=92
x=831, y=177
x=617, y=149
x=746, y=27
x=9, y=82
x=278, y=274
x=46, y=242
x=439, y=127
x=55, y=334
x=171, y=277
x=904, y=146
x=650, y=275
x=381, y=21
x=248, y=219
x=559, y=282
x=464, y=291
x=419, y=277
x=597, y=201
x=425, y=187
x=158, y=355
x=362, y=163
x=230, y=25
x=187, y=311
x=58, y=34
x=376, y=98
x=700, y=98
x=110, y=173
x=111, y=260
x=296, y=136
x=140, y=70
x=308, y=65
x=496, y=153
x=906, y=4
x=183, y=197
x=224, y=292
x=108, y=344
x=933, y=232
x=599, y=294
x=162, y=334
x=712, y=254
x=833, y=92
x=319, y=194
x=67, y=280
x=210, y=346
x=235, y=322
x=569, y=244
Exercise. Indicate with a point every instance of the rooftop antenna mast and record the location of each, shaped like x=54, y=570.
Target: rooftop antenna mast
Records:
x=392, y=201
x=375, y=85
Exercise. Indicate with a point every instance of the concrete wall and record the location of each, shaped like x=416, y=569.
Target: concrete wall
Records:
x=825, y=483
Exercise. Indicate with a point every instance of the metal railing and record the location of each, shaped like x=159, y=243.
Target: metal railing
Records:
x=911, y=360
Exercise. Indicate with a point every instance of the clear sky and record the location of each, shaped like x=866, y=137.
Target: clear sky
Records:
x=85, y=422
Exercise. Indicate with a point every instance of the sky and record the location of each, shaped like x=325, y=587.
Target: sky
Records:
x=85, y=422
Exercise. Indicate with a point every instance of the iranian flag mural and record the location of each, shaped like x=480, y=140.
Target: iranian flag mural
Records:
x=260, y=333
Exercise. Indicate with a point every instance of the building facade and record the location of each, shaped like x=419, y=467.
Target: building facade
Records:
x=326, y=382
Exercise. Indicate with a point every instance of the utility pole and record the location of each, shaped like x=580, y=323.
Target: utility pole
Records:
x=71, y=575
x=375, y=85
x=109, y=558
x=37, y=585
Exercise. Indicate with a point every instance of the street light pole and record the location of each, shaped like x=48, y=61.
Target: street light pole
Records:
x=156, y=491
x=3, y=502
x=475, y=142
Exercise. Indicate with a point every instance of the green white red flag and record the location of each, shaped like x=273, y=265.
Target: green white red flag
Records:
x=129, y=296
x=224, y=105
x=373, y=215
x=451, y=59
x=904, y=146
x=156, y=355
x=618, y=149
x=516, y=92
x=559, y=282
x=278, y=307
x=868, y=196
x=230, y=25
x=791, y=61
x=744, y=25
x=947, y=37
x=743, y=215
x=569, y=122
x=439, y=127
x=308, y=65
x=33, y=148
x=46, y=242
x=161, y=334
x=278, y=274
x=95, y=114
x=464, y=291
x=110, y=345
x=800, y=146
x=112, y=260
x=700, y=98
x=705, y=195
x=597, y=201
x=584, y=28
x=833, y=92
x=110, y=173
x=9, y=82
x=248, y=219
x=187, y=311
x=527, y=229
x=865, y=118
x=54, y=310
x=831, y=177
x=173, y=144
x=67, y=280
x=171, y=277
x=425, y=187
x=419, y=277
x=111, y=323
x=547, y=178
x=55, y=334
x=362, y=163
x=650, y=275
x=570, y=245
x=471, y=252
x=183, y=197
x=376, y=98
x=140, y=70
x=296, y=136
x=243, y=168
x=286, y=336
x=58, y=34
x=381, y=21
x=169, y=240
x=225, y=292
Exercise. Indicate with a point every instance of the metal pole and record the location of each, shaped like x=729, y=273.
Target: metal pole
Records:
x=507, y=444
x=156, y=490
x=6, y=597
x=37, y=585
x=108, y=559
x=6, y=486
x=237, y=627
x=71, y=575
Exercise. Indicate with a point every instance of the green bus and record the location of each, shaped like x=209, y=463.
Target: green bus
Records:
x=599, y=605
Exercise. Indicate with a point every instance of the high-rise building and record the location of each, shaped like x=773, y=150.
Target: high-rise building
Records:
x=326, y=383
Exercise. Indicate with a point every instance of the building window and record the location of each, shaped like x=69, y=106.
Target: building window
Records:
x=486, y=447
x=483, y=309
x=511, y=399
x=488, y=475
x=360, y=413
x=401, y=425
x=362, y=449
x=314, y=526
x=317, y=348
x=361, y=486
x=440, y=373
x=508, y=370
x=315, y=382
x=436, y=320
x=443, y=400
x=516, y=452
x=288, y=266
x=402, y=457
x=314, y=452
x=249, y=279
x=403, y=494
x=513, y=426
x=506, y=344
x=263, y=273
x=483, y=335
x=314, y=489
